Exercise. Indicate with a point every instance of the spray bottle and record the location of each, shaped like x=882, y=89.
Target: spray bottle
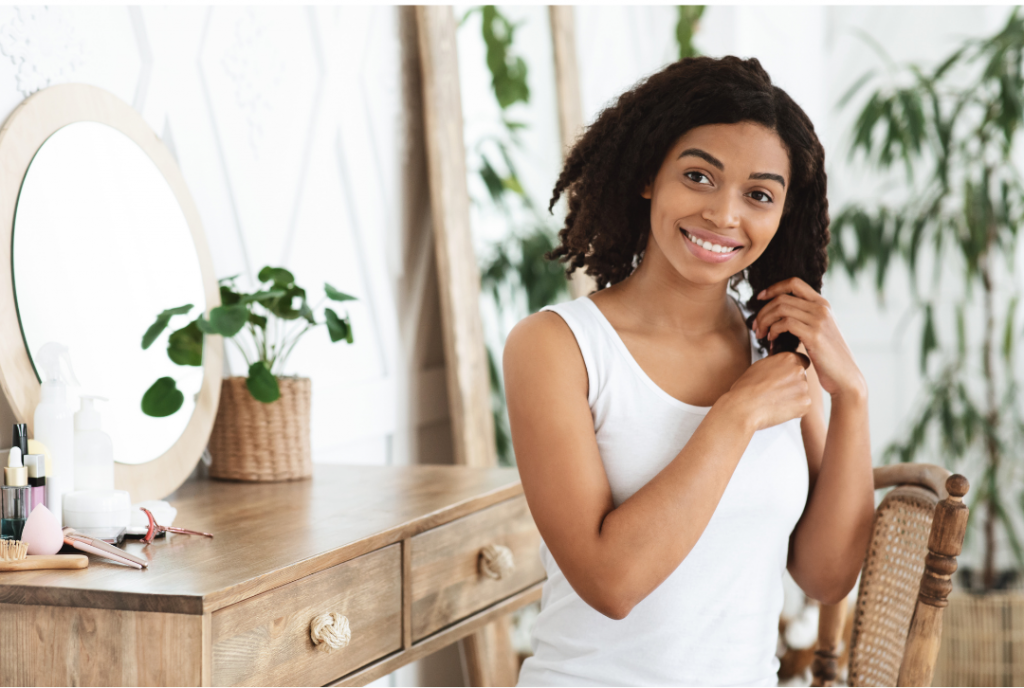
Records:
x=54, y=423
x=94, y=452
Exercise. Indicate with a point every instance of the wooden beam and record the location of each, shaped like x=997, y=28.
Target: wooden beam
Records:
x=469, y=393
x=570, y=105
x=488, y=651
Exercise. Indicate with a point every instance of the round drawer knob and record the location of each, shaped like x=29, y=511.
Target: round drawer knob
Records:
x=330, y=632
x=497, y=562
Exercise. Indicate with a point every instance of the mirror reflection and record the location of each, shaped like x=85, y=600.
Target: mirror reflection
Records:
x=101, y=247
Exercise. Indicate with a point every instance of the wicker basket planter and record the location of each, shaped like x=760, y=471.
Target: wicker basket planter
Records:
x=982, y=640
x=260, y=442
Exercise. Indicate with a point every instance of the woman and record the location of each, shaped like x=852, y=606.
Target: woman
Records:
x=674, y=469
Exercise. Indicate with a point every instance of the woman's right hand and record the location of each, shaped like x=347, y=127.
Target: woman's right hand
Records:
x=772, y=390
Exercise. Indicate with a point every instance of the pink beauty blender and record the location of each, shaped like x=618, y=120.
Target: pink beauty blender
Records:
x=42, y=532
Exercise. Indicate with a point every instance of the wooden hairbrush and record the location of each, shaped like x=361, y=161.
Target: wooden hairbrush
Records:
x=14, y=556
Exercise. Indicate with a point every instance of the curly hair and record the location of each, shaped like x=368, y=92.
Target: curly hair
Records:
x=608, y=221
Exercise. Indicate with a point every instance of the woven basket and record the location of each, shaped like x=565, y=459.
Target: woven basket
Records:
x=261, y=442
x=982, y=640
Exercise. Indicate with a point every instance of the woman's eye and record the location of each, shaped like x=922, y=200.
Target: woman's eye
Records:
x=764, y=198
x=697, y=176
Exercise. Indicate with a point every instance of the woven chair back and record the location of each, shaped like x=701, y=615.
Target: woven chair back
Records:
x=889, y=585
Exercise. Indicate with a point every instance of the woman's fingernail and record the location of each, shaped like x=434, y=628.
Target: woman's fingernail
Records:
x=761, y=295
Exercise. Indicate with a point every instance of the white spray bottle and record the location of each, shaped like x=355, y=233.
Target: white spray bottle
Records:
x=54, y=423
x=94, y=451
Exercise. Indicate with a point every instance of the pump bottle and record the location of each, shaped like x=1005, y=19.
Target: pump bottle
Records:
x=94, y=451
x=54, y=423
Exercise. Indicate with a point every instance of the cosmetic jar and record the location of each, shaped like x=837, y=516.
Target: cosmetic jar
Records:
x=103, y=514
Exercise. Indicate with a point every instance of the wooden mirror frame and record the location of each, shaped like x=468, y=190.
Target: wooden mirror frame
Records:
x=29, y=126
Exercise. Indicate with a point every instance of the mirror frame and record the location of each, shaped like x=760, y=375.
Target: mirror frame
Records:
x=27, y=128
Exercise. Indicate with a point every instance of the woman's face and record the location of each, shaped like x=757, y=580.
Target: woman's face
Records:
x=717, y=200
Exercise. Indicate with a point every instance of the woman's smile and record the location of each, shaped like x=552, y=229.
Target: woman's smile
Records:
x=707, y=249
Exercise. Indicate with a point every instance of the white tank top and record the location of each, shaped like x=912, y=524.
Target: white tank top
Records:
x=714, y=620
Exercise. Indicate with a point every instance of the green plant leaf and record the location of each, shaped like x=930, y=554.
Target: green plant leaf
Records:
x=228, y=296
x=335, y=295
x=180, y=310
x=929, y=342
x=185, y=346
x=263, y=297
x=154, y=330
x=306, y=312
x=686, y=24
x=162, y=398
x=282, y=305
x=508, y=72
x=279, y=276
x=229, y=320
x=262, y=384
x=1008, y=333
x=205, y=326
x=258, y=320
x=338, y=328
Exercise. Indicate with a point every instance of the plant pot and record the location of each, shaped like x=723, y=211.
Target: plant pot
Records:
x=260, y=442
x=982, y=640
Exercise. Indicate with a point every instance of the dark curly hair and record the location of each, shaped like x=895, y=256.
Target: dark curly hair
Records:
x=608, y=221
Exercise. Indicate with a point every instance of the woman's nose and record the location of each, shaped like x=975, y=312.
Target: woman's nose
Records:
x=722, y=209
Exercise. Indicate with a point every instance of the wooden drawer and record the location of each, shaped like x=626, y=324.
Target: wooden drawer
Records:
x=265, y=640
x=447, y=583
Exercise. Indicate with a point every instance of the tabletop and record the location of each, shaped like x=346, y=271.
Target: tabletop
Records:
x=267, y=535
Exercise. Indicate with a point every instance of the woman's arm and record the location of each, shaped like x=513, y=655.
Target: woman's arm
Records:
x=615, y=557
x=829, y=542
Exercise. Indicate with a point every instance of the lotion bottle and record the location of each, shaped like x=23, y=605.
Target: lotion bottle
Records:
x=94, y=451
x=54, y=422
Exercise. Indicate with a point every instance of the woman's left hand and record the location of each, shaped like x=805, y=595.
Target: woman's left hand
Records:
x=793, y=306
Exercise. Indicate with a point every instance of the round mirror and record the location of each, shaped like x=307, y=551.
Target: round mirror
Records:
x=100, y=248
x=103, y=237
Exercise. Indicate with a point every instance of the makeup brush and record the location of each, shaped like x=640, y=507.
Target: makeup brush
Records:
x=14, y=556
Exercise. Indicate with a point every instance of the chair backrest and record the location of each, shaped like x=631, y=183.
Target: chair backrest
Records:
x=916, y=535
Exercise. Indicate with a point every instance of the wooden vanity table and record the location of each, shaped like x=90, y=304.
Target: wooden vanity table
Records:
x=396, y=550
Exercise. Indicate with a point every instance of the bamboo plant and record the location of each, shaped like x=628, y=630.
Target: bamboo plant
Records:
x=264, y=326
x=951, y=132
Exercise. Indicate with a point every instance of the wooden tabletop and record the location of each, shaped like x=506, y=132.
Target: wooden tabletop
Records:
x=268, y=534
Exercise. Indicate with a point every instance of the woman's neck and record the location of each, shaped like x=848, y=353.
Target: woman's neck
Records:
x=658, y=295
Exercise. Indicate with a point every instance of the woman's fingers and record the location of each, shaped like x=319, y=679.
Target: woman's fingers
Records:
x=793, y=285
x=788, y=306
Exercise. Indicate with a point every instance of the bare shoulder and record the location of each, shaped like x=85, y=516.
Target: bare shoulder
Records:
x=542, y=345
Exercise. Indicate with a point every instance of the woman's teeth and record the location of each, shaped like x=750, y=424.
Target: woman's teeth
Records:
x=715, y=248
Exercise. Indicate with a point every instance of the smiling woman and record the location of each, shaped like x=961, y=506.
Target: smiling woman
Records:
x=673, y=469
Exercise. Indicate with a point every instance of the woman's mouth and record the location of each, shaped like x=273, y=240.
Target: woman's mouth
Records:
x=707, y=251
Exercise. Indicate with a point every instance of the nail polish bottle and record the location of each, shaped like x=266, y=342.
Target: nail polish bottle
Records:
x=16, y=497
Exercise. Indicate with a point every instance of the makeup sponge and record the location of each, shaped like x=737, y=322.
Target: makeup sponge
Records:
x=42, y=532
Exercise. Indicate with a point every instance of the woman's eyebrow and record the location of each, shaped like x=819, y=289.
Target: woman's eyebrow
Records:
x=770, y=176
x=712, y=160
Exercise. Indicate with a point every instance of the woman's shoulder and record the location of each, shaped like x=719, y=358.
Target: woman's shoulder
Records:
x=542, y=346
x=544, y=332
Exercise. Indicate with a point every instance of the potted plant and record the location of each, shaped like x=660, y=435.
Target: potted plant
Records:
x=262, y=428
x=953, y=130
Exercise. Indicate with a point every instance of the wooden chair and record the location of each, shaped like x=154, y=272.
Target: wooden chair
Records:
x=916, y=535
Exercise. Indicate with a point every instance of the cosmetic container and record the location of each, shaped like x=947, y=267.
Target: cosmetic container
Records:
x=15, y=498
x=21, y=438
x=36, y=465
x=94, y=452
x=54, y=422
x=103, y=514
